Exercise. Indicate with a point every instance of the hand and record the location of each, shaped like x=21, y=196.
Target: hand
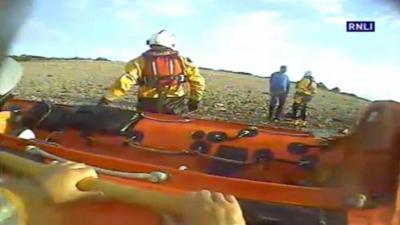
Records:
x=59, y=181
x=207, y=208
x=193, y=105
x=54, y=184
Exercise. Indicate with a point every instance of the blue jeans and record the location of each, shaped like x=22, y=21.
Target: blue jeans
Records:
x=276, y=99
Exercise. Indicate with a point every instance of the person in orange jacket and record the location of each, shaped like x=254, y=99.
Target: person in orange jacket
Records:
x=161, y=73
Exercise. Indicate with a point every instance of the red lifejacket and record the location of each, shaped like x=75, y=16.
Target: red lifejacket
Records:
x=162, y=69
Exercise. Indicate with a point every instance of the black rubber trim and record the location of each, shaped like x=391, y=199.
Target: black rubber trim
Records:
x=135, y=136
x=201, y=147
x=263, y=155
x=228, y=169
x=198, y=135
x=262, y=213
x=298, y=148
x=248, y=132
x=217, y=137
x=308, y=162
x=130, y=125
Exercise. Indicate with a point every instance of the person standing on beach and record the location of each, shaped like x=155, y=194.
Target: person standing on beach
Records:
x=279, y=85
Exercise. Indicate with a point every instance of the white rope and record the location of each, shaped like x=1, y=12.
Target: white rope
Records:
x=154, y=177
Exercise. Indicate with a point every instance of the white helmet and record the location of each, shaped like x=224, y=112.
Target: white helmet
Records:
x=163, y=38
x=307, y=73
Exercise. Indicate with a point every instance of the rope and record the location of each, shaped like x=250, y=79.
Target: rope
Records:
x=155, y=150
x=155, y=177
x=47, y=138
x=37, y=124
x=188, y=152
x=166, y=120
x=134, y=119
x=195, y=152
x=227, y=160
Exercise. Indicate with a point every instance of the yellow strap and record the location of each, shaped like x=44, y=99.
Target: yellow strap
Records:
x=17, y=203
x=4, y=121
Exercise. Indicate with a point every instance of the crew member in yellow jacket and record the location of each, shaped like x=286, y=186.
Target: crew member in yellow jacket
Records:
x=166, y=79
x=306, y=88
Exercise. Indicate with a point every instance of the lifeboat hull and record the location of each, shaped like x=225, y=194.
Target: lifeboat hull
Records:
x=212, y=147
x=262, y=202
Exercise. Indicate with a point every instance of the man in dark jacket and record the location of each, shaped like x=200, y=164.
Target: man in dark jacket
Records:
x=279, y=85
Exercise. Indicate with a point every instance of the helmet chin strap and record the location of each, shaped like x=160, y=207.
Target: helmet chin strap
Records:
x=160, y=48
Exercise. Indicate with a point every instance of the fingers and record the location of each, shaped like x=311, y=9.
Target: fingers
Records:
x=61, y=163
x=216, y=197
x=192, y=195
x=76, y=171
x=232, y=199
x=212, y=208
x=87, y=172
x=205, y=196
x=70, y=165
x=76, y=166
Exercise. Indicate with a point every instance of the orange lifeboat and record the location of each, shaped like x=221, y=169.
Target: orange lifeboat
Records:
x=359, y=170
x=262, y=202
x=212, y=147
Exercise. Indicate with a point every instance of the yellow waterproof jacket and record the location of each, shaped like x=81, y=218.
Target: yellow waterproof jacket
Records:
x=134, y=73
x=306, y=86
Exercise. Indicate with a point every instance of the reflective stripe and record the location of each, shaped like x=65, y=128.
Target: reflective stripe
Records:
x=152, y=80
x=154, y=67
x=171, y=66
x=128, y=76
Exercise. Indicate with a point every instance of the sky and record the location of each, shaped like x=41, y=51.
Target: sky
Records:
x=255, y=36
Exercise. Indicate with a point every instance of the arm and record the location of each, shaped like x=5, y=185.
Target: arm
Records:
x=302, y=85
x=195, y=79
x=270, y=79
x=132, y=73
x=26, y=204
x=288, y=86
x=314, y=87
x=34, y=200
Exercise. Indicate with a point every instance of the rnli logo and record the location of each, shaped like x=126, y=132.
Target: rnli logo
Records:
x=360, y=26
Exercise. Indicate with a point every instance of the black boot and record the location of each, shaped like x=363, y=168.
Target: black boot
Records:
x=271, y=112
x=303, y=113
x=295, y=109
